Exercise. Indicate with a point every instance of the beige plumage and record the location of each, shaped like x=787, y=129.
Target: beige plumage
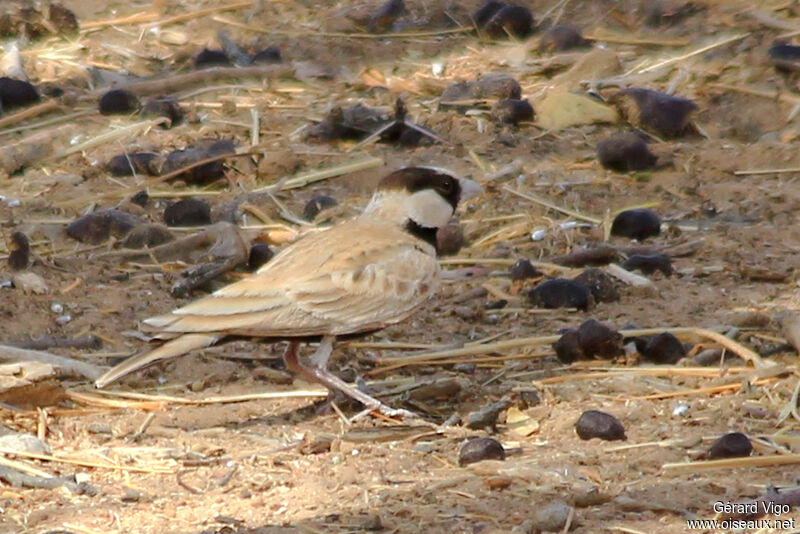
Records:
x=361, y=275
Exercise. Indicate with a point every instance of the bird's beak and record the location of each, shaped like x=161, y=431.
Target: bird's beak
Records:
x=469, y=189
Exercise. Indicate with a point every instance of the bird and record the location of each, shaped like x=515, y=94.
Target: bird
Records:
x=356, y=277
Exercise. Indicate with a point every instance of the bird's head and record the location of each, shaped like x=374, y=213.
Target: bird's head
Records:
x=425, y=197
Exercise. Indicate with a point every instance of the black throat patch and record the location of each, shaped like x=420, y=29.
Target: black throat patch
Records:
x=422, y=232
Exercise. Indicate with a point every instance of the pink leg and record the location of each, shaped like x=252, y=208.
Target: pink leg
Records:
x=322, y=376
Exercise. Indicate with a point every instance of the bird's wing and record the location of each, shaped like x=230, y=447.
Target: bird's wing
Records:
x=351, y=278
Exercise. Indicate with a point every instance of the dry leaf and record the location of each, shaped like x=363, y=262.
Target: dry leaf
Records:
x=520, y=422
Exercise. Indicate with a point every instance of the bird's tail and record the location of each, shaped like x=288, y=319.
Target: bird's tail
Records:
x=171, y=349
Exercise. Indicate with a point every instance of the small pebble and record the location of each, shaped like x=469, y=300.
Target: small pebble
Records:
x=260, y=253
x=731, y=445
x=63, y=319
x=681, y=410
x=131, y=163
x=16, y=93
x=603, y=286
x=649, y=264
x=538, y=235
x=188, y=212
x=624, y=153
x=19, y=247
x=597, y=424
x=663, y=114
x=562, y=37
x=478, y=449
x=99, y=428
x=55, y=307
x=512, y=111
x=561, y=293
x=599, y=340
x=636, y=224
x=662, y=348
x=550, y=517
x=24, y=443
x=118, y=101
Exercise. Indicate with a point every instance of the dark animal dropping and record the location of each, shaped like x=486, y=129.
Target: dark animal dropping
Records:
x=19, y=251
x=568, y=347
x=118, y=101
x=167, y=107
x=599, y=340
x=512, y=111
x=131, y=163
x=561, y=293
x=317, y=204
x=636, y=224
x=601, y=284
x=661, y=348
x=625, y=152
x=188, y=212
x=271, y=54
x=211, y=58
x=649, y=263
x=731, y=445
x=485, y=12
x=597, y=424
x=562, y=37
x=260, y=253
x=664, y=114
x=524, y=269
x=16, y=93
x=478, y=449
x=510, y=20
x=96, y=227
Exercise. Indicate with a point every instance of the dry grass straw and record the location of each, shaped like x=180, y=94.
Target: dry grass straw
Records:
x=86, y=463
x=343, y=35
x=732, y=463
x=302, y=180
x=167, y=399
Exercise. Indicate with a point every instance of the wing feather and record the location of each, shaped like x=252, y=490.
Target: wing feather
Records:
x=351, y=278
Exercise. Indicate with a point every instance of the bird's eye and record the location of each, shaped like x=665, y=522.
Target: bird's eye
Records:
x=446, y=186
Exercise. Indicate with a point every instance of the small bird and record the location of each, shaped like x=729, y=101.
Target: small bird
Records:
x=359, y=276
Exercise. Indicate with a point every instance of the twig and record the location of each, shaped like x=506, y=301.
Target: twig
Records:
x=68, y=365
x=27, y=113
